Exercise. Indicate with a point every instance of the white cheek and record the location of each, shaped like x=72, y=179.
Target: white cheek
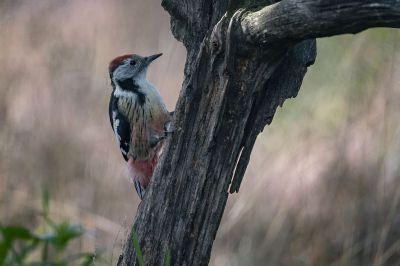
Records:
x=123, y=72
x=142, y=75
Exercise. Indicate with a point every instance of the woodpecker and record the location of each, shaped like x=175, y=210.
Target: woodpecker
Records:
x=138, y=116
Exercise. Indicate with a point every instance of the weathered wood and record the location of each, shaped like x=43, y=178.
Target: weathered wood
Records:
x=237, y=73
x=304, y=19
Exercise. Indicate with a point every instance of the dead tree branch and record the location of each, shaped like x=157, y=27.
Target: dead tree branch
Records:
x=244, y=60
x=304, y=19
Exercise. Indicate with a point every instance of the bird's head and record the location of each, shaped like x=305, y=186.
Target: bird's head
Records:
x=130, y=66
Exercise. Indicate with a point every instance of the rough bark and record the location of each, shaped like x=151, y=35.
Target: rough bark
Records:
x=304, y=19
x=241, y=65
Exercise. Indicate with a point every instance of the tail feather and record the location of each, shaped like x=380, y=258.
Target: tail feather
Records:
x=139, y=189
x=141, y=172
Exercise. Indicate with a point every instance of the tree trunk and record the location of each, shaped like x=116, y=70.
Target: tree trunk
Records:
x=244, y=59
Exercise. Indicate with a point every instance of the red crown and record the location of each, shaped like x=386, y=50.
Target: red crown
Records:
x=117, y=61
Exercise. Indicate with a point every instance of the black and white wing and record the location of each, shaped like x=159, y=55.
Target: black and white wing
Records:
x=122, y=131
x=120, y=126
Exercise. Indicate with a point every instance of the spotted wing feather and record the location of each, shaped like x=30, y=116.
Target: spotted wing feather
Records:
x=120, y=126
x=122, y=131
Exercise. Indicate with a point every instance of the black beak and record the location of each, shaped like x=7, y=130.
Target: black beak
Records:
x=151, y=58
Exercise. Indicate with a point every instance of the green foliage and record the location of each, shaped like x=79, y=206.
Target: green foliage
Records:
x=139, y=255
x=17, y=242
x=168, y=259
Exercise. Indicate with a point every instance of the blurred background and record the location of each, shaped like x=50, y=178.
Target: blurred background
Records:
x=323, y=185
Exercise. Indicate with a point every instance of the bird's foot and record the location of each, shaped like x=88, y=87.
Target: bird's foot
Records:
x=168, y=128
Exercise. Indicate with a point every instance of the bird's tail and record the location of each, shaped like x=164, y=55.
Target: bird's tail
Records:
x=141, y=171
x=139, y=189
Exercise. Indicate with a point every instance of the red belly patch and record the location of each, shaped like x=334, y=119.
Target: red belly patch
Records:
x=142, y=170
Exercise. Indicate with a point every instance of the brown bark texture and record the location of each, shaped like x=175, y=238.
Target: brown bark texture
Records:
x=244, y=59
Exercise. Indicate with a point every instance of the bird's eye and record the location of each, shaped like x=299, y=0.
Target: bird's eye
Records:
x=132, y=62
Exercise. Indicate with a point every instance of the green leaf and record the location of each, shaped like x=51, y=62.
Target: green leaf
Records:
x=64, y=233
x=20, y=256
x=16, y=232
x=9, y=234
x=139, y=255
x=168, y=259
x=5, y=246
x=86, y=258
